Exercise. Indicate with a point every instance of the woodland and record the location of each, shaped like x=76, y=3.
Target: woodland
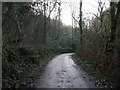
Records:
x=31, y=38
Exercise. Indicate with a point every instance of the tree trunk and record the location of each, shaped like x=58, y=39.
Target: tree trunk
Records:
x=114, y=20
x=80, y=22
x=44, y=32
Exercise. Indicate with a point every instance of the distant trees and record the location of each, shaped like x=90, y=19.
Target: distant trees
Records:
x=34, y=25
x=77, y=25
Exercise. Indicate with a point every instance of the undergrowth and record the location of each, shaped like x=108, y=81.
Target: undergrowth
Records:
x=92, y=69
x=21, y=65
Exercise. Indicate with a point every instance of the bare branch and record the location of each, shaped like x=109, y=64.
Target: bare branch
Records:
x=94, y=15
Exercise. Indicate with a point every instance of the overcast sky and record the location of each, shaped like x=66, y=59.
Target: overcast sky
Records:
x=89, y=6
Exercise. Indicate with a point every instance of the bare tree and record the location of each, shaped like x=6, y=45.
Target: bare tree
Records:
x=80, y=22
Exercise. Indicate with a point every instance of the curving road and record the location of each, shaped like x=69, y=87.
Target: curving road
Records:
x=62, y=72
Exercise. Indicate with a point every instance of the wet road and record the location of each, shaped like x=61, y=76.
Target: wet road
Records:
x=62, y=72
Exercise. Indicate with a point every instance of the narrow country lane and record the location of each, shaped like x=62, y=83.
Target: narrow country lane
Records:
x=62, y=72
